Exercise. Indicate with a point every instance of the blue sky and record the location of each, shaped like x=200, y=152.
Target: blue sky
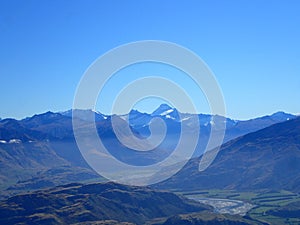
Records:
x=252, y=47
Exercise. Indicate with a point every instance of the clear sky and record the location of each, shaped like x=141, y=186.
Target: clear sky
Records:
x=252, y=47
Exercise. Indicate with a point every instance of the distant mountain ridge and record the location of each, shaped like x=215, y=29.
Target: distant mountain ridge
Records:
x=38, y=127
x=58, y=126
x=34, y=145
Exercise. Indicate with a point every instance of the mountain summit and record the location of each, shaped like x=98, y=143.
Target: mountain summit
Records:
x=162, y=110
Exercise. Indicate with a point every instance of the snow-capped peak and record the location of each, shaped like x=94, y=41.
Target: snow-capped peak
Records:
x=162, y=110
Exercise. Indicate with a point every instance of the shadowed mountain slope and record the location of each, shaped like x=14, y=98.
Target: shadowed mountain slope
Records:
x=269, y=158
x=76, y=203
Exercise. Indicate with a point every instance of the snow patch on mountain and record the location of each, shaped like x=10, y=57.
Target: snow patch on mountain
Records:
x=167, y=112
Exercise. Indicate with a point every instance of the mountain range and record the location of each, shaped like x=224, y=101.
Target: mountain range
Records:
x=41, y=165
x=41, y=151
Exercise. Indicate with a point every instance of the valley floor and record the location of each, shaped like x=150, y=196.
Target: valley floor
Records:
x=273, y=207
